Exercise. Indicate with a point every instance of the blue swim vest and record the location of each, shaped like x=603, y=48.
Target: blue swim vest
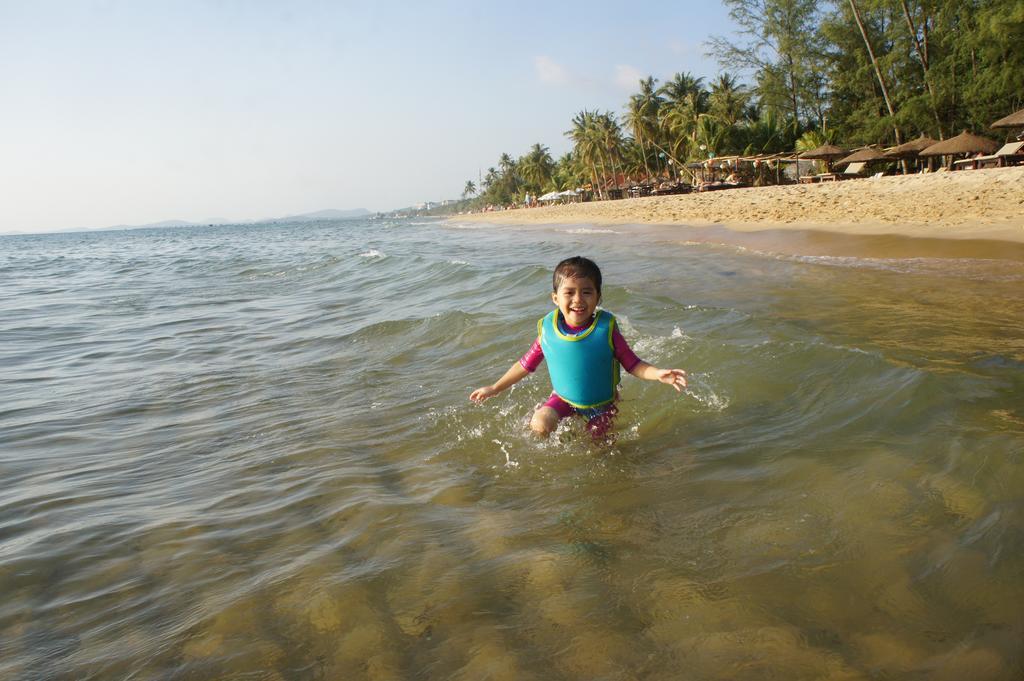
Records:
x=583, y=368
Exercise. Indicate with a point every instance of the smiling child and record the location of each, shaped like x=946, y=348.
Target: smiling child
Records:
x=584, y=350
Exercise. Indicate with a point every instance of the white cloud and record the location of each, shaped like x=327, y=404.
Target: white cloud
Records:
x=550, y=71
x=627, y=77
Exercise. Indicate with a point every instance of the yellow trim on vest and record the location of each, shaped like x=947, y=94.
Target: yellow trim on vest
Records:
x=616, y=377
x=593, y=325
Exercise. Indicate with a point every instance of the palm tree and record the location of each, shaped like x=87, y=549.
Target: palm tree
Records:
x=509, y=168
x=765, y=134
x=728, y=99
x=711, y=134
x=586, y=145
x=610, y=138
x=685, y=101
x=684, y=87
x=537, y=166
x=469, y=189
x=642, y=115
x=491, y=178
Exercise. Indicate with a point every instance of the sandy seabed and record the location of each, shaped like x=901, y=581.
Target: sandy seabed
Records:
x=966, y=205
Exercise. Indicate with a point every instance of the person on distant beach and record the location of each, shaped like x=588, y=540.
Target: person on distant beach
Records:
x=584, y=350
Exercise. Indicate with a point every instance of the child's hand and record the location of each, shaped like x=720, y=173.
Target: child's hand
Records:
x=673, y=377
x=481, y=394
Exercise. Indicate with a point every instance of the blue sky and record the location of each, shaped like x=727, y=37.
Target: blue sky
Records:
x=136, y=112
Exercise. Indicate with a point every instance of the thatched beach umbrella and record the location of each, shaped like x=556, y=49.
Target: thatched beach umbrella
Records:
x=910, y=149
x=964, y=143
x=863, y=155
x=1014, y=120
x=824, y=152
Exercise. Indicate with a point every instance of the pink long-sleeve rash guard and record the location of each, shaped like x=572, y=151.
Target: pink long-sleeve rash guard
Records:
x=623, y=353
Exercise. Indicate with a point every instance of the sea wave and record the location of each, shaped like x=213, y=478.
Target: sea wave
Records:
x=591, y=230
x=249, y=452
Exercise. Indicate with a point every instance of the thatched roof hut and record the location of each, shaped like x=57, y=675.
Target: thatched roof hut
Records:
x=863, y=155
x=964, y=143
x=825, y=151
x=910, y=149
x=1014, y=120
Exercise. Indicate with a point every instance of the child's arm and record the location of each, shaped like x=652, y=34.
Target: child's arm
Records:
x=641, y=369
x=518, y=371
x=673, y=377
x=515, y=374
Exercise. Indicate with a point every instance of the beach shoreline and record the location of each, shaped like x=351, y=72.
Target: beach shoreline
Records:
x=975, y=205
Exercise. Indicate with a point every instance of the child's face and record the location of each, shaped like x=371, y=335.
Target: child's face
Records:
x=577, y=298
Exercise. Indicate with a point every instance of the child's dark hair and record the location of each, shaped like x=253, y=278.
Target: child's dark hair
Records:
x=574, y=268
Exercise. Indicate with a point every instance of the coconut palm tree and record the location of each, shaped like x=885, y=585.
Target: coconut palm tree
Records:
x=509, y=169
x=469, y=189
x=728, y=99
x=642, y=116
x=712, y=134
x=681, y=88
x=766, y=134
x=611, y=138
x=537, y=167
x=685, y=101
x=587, y=146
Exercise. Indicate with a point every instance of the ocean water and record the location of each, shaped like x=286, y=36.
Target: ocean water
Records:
x=247, y=452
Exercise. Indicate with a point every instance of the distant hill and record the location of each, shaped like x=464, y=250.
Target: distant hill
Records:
x=165, y=223
x=329, y=214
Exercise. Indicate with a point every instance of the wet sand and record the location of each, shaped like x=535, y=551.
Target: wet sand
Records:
x=980, y=205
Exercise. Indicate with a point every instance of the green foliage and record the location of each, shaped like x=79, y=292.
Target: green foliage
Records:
x=811, y=76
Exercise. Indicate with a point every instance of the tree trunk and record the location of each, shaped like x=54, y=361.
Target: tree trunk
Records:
x=595, y=181
x=643, y=152
x=604, y=174
x=616, y=168
x=878, y=70
x=794, y=98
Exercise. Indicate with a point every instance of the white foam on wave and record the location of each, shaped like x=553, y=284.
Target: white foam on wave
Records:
x=457, y=262
x=372, y=253
x=463, y=225
x=966, y=268
x=589, y=230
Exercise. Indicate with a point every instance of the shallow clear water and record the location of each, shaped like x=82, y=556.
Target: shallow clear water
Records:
x=247, y=453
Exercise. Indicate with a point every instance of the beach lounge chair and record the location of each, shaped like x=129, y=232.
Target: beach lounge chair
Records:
x=854, y=170
x=1008, y=154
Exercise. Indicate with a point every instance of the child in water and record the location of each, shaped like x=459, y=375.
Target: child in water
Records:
x=584, y=350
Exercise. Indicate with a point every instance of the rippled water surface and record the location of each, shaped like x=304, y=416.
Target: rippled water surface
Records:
x=247, y=453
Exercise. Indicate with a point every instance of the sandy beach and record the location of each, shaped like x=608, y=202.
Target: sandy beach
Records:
x=977, y=204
